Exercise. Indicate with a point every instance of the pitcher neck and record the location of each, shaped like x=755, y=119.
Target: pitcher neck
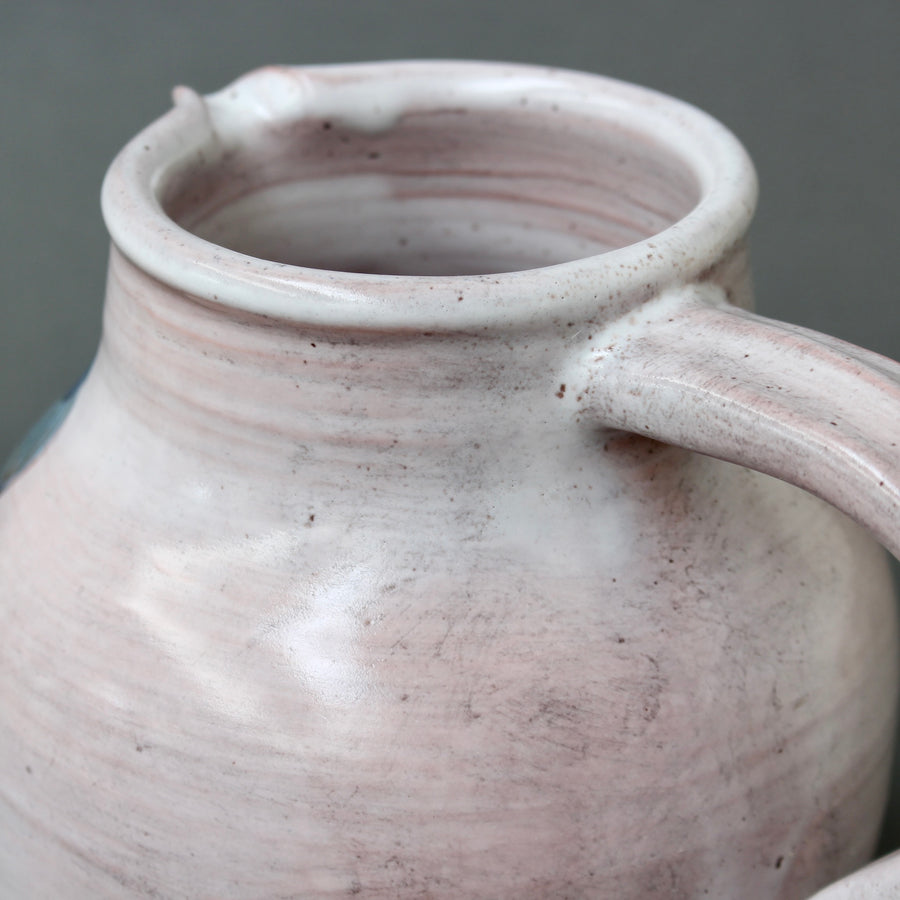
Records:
x=203, y=373
x=382, y=254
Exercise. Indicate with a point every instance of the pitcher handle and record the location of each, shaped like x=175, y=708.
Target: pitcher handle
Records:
x=691, y=369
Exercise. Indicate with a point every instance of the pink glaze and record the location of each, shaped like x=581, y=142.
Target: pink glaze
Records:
x=352, y=584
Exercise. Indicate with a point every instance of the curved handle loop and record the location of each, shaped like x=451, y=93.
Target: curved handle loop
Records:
x=692, y=370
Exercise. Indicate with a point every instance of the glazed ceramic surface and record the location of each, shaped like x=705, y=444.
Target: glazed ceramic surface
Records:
x=878, y=881
x=367, y=563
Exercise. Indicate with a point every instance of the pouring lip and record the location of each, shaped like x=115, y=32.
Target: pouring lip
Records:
x=371, y=96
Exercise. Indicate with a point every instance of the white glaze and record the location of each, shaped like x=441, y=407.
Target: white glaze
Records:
x=186, y=137
x=340, y=584
x=878, y=881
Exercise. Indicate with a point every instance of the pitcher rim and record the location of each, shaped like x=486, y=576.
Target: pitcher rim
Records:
x=611, y=281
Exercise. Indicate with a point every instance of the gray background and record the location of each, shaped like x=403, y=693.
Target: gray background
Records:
x=810, y=86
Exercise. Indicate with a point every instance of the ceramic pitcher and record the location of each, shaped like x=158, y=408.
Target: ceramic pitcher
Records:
x=413, y=534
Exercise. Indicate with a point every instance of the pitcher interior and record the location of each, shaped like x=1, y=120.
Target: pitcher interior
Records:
x=460, y=191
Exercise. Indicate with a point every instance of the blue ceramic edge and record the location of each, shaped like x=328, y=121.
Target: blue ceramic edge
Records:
x=37, y=436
